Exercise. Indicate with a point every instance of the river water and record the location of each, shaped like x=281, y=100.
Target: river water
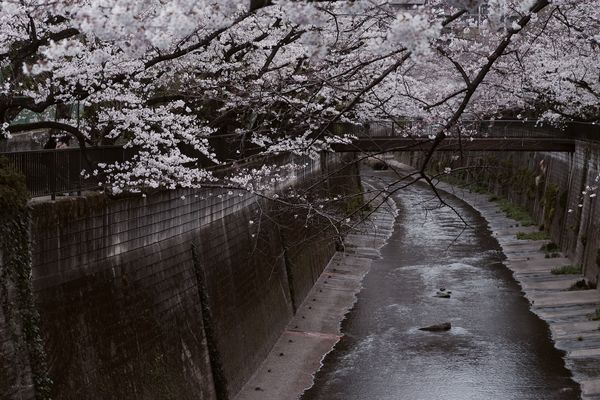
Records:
x=496, y=350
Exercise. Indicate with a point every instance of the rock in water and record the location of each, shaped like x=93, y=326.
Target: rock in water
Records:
x=446, y=326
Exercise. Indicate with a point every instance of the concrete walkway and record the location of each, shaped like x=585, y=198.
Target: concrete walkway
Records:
x=289, y=368
x=566, y=312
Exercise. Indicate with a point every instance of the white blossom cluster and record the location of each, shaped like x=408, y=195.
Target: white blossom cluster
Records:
x=193, y=84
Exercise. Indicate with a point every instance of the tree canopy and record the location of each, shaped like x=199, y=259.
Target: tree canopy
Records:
x=194, y=83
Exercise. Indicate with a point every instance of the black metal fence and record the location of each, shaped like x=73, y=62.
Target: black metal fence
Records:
x=54, y=172
x=495, y=128
x=61, y=171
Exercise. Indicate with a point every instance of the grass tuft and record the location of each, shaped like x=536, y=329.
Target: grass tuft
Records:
x=515, y=212
x=567, y=270
x=580, y=285
x=533, y=236
x=552, y=255
x=550, y=247
x=595, y=316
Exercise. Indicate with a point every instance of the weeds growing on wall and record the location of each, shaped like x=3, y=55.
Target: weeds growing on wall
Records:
x=15, y=273
x=549, y=201
x=13, y=192
x=519, y=214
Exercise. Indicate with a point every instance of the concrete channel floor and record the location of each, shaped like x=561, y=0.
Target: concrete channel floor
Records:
x=289, y=368
x=566, y=312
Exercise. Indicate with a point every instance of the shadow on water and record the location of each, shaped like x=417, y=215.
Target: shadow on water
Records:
x=496, y=349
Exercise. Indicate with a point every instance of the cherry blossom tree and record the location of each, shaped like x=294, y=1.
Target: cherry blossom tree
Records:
x=190, y=85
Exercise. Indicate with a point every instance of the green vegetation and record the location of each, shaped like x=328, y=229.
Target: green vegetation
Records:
x=507, y=176
x=595, y=316
x=357, y=205
x=456, y=181
x=515, y=212
x=22, y=319
x=549, y=202
x=550, y=247
x=479, y=189
x=13, y=192
x=563, y=199
x=580, y=285
x=552, y=255
x=380, y=166
x=567, y=270
x=533, y=236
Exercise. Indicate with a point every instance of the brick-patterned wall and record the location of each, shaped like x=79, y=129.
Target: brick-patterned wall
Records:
x=173, y=296
x=577, y=232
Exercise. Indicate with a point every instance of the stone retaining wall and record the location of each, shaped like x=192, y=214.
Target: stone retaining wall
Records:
x=178, y=295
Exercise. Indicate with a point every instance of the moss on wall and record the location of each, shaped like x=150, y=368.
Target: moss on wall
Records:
x=549, y=201
x=13, y=192
x=22, y=318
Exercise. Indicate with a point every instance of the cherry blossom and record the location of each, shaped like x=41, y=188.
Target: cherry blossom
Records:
x=191, y=85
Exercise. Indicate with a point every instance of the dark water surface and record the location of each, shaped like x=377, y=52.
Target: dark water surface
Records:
x=497, y=349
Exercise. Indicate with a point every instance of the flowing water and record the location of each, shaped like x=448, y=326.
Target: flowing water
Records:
x=496, y=349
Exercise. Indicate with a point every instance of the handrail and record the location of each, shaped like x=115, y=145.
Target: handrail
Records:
x=474, y=128
x=51, y=172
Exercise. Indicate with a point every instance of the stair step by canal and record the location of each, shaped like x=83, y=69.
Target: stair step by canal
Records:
x=566, y=312
x=289, y=368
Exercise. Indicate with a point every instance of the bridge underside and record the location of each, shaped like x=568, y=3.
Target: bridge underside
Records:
x=384, y=144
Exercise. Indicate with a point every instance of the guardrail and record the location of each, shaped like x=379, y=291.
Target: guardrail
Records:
x=59, y=171
x=51, y=172
x=491, y=128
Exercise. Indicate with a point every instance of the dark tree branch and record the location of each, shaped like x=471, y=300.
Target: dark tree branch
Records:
x=81, y=138
x=492, y=58
x=200, y=44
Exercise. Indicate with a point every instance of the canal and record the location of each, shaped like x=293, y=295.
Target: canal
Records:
x=496, y=349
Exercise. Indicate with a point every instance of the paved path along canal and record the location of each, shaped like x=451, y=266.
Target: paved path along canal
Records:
x=496, y=349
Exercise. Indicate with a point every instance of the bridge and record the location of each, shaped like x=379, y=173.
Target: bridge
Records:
x=384, y=144
x=49, y=172
x=500, y=135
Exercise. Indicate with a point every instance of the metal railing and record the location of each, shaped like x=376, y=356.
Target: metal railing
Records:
x=60, y=171
x=55, y=172
x=487, y=128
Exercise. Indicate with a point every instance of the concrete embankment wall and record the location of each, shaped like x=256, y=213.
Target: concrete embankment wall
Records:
x=178, y=295
x=548, y=185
